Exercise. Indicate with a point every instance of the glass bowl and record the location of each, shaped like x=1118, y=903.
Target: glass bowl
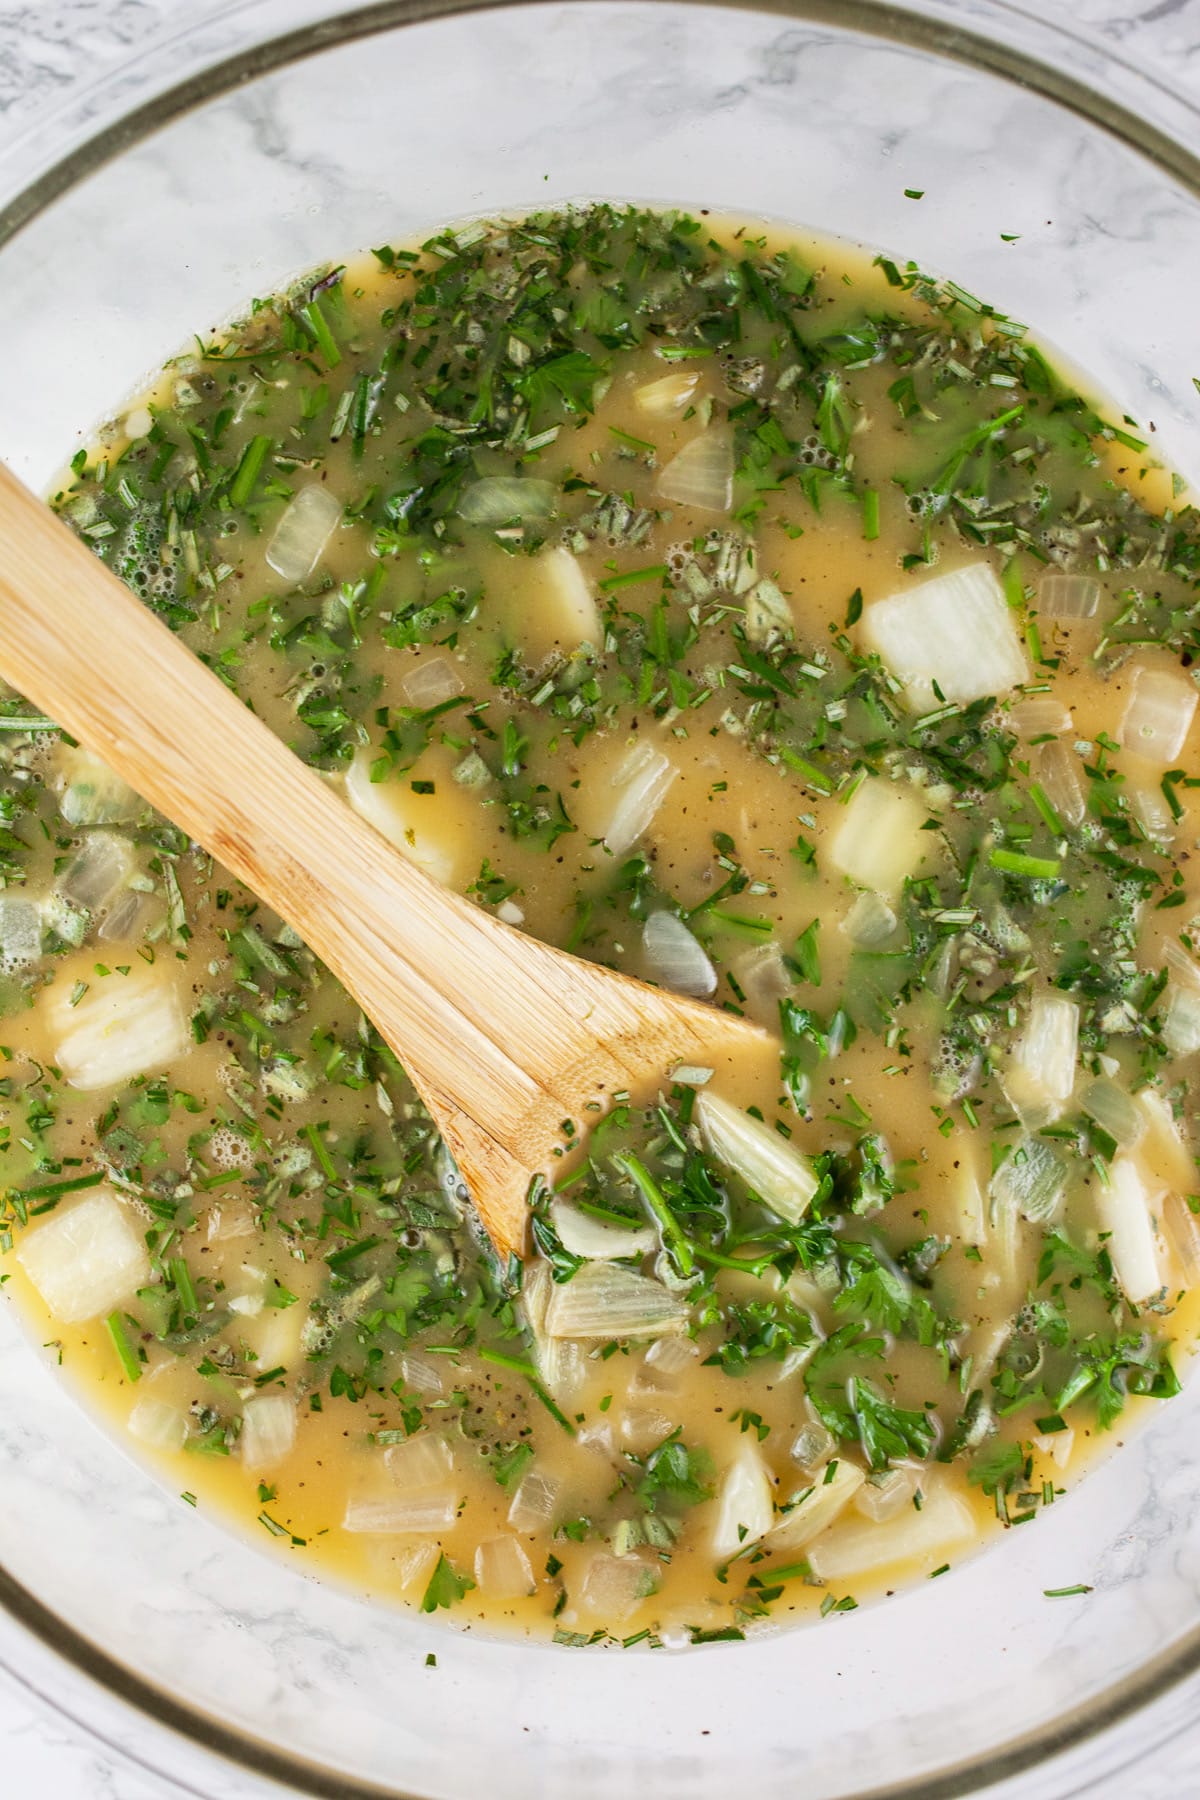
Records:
x=264, y=137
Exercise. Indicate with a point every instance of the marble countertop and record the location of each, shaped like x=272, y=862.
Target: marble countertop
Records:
x=45, y=46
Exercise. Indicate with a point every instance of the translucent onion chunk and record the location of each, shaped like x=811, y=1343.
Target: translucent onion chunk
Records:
x=1030, y=1181
x=560, y=1361
x=856, y=1545
x=1162, y=1152
x=669, y=394
x=614, y=1586
x=158, y=1424
x=124, y=1025
x=701, y=476
x=1114, y=1110
x=558, y=610
x=415, y=824
x=98, y=870
x=812, y=1445
x=1057, y=770
x=1068, y=596
x=768, y=613
x=1039, y=716
x=956, y=630
x=90, y=793
x=764, y=977
x=812, y=1509
x=1041, y=1073
x=1158, y=715
x=298, y=541
x=86, y=1260
x=745, y=1504
x=422, y=1374
x=879, y=842
x=666, y=1360
x=506, y=500
x=596, y=1239
x=604, y=1300
x=1124, y=1209
x=641, y=779
x=424, y=1460
x=20, y=933
x=399, y=1515
x=502, y=1569
x=782, y=1179
x=870, y=921
x=886, y=1495
x=433, y=680
x=533, y=1503
x=675, y=958
x=268, y=1430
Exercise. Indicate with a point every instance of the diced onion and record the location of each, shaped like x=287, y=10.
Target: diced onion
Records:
x=1057, y=770
x=1114, y=1110
x=604, y=1300
x=422, y=1374
x=956, y=630
x=86, y=1260
x=669, y=394
x=782, y=1179
x=879, y=842
x=298, y=541
x=1041, y=1073
x=745, y=1508
x=1039, y=716
x=767, y=612
x=410, y=822
x=1162, y=1152
x=124, y=1025
x=1182, y=1229
x=812, y=1445
x=506, y=500
x=641, y=779
x=855, y=1546
x=502, y=1569
x=20, y=933
x=1123, y=1210
x=870, y=921
x=90, y=793
x=411, y=1566
x=98, y=870
x=433, y=680
x=614, y=1586
x=560, y=1361
x=675, y=958
x=423, y=1514
x=557, y=608
x=582, y=1235
x=533, y=1503
x=764, y=977
x=643, y=1428
x=665, y=1361
x=811, y=1510
x=156, y=1423
x=701, y=476
x=424, y=1460
x=1158, y=715
x=887, y=1495
x=1068, y=596
x=268, y=1430
x=1031, y=1181
x=1181, y=1026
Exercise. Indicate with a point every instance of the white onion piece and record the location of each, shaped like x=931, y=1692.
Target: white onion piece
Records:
x=410, y=822
x=595, y=1239
x=98, y=870
x=268, y=1430
x=1182, y=1229
x=506, y=500
x=156, y=1423
x=558, y=609
x=665, y=1362
x=1162, y=1152
x=691, y=1074
x=604, y=1300
x=857, y=1545
x=764, y=977
x=533, y=1503
x=410, y=1567
x=1057, y=770
x=870, y=921
x=1158, y=715
x=812, y=1445
x=1150, y=809
x=669, y=394
x=422, y=1374
x=433, y=680
x=399, y=1515
x=1039, y=716
x=20, y=933
x=124, y=1025
x=1114, y=1110
x=779, y=1175
x=970, y=1203
x=1030, y=1181
x=1041, y=1072
x=1124, y=1210
x=502, y=1569
x=676, y=960
x=87, y=1260
x=298, y=541
x=745, y=1508
x=887, y=1495
x=1068, y=596
x=1181, y=1024
x=812, y=1509
x=643, y=1428
x=424, y=1460
x=561, y=1362
x=642, y=778
x=767, y=612
x=90, y=793
x=613, y=1586
x=879, y=842
x=701, y=476
x=956, y=630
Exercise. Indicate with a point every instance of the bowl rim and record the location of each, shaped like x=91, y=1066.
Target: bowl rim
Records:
x=903, y=22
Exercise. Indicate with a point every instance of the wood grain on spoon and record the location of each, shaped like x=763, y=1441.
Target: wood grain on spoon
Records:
x=504, y=1037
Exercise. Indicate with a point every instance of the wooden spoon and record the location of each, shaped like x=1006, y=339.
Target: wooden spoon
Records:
x=504, y=1037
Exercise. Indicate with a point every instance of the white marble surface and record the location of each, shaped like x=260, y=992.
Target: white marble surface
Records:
x=46, y=48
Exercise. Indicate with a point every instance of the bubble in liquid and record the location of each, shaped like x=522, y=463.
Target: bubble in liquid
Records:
x=229, y=1150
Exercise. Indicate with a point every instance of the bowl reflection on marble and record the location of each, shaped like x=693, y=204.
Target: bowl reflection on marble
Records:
x=1057, y=182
